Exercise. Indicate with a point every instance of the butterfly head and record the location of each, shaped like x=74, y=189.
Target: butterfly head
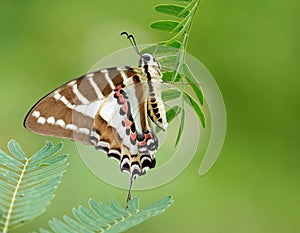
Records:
x=147, y=59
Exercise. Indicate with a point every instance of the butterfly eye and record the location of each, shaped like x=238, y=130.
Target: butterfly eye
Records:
x=146, y=57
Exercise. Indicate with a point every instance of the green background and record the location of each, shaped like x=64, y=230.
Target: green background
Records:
x=252, y=49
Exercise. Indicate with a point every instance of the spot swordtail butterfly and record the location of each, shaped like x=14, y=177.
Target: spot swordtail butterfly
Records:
x=110, y=109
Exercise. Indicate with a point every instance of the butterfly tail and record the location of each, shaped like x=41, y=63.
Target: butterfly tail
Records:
x=129, y=189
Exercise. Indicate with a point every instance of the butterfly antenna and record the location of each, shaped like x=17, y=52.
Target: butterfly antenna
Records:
x=132, y=41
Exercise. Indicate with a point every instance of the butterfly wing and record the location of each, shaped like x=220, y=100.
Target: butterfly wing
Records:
x=69, y=111
x=123, y=113
x=108, y=109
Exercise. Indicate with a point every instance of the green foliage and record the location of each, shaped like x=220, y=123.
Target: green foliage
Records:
x=173, y=112
x=191, y=101
x=171, y=9
x=27, y=185
x=109, y=219
x=180, y=27
x=193, y=82
x=170, y=94
x=171, y=55
x=165, y=25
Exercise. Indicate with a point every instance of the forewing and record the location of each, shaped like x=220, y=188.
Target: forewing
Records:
x=69, y=111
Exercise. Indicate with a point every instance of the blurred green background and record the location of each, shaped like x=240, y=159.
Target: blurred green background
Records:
x=251, y=47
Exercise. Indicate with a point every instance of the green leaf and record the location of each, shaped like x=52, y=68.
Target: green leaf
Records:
x=58, y=226
x=80, y=227
x=172, y=113
x=193, y=82
x=181, y=126
x=185, y=11
x=169, y=61
x=165, y=25
x=171, y=9
x=168, y=77
x=107, y=219
x=133, y=205
x=170, y=94
x=161, y=49
x=47, y=151
x=115, y=206
x=16, y=150
x=193, y=103
x=175, y=44
x=27, y=186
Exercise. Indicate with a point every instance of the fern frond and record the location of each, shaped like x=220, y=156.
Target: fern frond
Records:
x=27, y=184
x=109, y=219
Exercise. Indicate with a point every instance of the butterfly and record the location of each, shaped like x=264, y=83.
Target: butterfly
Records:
x=111, y=109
